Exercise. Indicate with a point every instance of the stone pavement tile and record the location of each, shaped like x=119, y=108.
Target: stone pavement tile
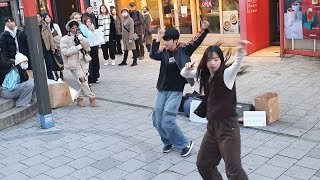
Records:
x=258, y=177
x=54, y=144
x=294, y=131
x=192, y=158
x=96, y=146
x=192, y=176
x=34, y=160
x=284, y=177
x=77, y=153
x=300, y=172
x=262, y=136
x=131, y=165
x=33, y=143
x=58, y=161
x=184, y=168
x=282, y=161
x=308, y=162
x=101, y=154
x=276, y=144
x=68, y=178
x=13, y=151
x=118, y=147
x=13, y=168
x=51, y=137
x=124, y=155
x=303, y=145
x=74, y=145
x=172, y=157
x=149, y=156
x=154, y=141
x=85, y=173
x=246, y=167
x=265, y=151
x=36, y=170
x=318, y=173
x=251, y=143
x=16, y=176
x=42, y=177
x=315, y=178
x=158, y=166
x=254, y=160
x=141, y=147
x=60, y=171
x=91, y=138
x=313, y=134
x=94, y=178
x=81, y=162
x=193, y=134
x=112, y=174
x=293, y=153
x=70, y=137
x=55, y=152
x=12, y=143
x=33, y=151
x=139, y=175
x=130, y=132
x=167, y=175
x=12, y=159
x=289, y=118
x=270, y=171
x=106, y=164
x=284, y=138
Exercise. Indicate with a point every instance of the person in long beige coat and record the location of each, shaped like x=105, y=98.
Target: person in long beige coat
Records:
x=147, y=20
x=127, y=37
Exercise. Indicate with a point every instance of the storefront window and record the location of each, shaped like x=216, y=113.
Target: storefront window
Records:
x=230, y=16
x=209, y=10
x=154, y=12
x=42, y=6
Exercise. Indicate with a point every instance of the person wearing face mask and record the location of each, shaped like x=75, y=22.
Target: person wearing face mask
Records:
x=17, y=84
x=127, y=37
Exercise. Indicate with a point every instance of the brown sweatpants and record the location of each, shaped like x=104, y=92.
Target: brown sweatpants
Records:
x=222, y=140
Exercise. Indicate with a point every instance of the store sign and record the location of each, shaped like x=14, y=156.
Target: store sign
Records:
x=205, y=3
x=96, y=6
x=230, y=22
x=109, y=3
x=311, y=19
x=4, y=4
x=184, y=11
x=252, y=6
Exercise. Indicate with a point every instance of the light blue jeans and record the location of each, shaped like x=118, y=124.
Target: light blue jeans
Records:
x=164, y=119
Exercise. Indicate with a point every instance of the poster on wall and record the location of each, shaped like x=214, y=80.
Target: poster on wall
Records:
x=310, y=19
x=96, y=6
x=109, y=3
x=293, y=19
x=230, y=22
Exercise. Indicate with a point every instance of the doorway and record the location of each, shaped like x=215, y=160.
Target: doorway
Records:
x=62, y=12
x=5, y=11
x=274, y=23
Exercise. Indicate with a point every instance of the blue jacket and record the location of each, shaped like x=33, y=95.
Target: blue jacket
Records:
x=182, y=54
x=12, y=80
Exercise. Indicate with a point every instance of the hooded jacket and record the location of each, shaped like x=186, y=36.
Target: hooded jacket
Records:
x=9, y=42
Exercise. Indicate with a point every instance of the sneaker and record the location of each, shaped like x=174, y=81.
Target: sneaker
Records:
x=134, y=64
x=122, y=64
x=113, y=62
x=186, y=151
x=167, y=148
x=97, y=81
x=106, y=63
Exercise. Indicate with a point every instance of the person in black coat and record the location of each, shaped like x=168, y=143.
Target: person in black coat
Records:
x=5, y=65
x=9, y=38
x=23, y=46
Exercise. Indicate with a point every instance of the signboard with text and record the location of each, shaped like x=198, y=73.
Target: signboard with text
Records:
x=310, y=19
x=96, y=6
x=205, y=3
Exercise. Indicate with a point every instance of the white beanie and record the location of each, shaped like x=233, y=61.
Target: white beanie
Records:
x=20, y=58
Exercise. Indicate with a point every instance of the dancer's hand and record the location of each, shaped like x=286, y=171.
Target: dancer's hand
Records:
x=190, y=66
x=204, y=25
x=161, y=33
x=242, y=47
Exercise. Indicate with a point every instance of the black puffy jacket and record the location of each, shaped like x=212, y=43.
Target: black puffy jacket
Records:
x=8, y=45
x=5, y=65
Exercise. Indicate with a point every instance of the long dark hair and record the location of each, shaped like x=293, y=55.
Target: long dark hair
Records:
x=107, y=11
x=44, y=15
x=203, y=73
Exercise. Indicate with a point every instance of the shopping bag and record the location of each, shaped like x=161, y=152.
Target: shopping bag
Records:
x=59, y=94
x=268, y=102
x=194, y=117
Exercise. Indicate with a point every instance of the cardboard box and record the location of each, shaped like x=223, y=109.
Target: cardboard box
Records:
x=268, y=102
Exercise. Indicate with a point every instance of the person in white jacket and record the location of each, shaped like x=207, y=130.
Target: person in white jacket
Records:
x=74, y=48
x=222, y=139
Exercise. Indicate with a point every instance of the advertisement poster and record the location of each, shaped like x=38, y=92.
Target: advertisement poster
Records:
x=205, y=3
x=230, y=22
x=310, y=19
x=96, y=6
x=293, y=19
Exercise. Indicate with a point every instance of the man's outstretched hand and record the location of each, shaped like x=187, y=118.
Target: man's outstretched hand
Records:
x=204, y=25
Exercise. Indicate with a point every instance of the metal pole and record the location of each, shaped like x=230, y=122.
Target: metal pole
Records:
x=37, y=61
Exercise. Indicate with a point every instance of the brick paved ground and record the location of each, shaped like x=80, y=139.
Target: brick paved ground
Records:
x=117, y=140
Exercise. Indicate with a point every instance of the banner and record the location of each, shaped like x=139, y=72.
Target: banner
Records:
x=310, y=19
x=230, y=22
x=96, y=6
x=293, y=20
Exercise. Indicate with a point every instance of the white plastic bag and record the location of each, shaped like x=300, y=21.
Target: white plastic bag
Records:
x=98, y=37
x=74, y=94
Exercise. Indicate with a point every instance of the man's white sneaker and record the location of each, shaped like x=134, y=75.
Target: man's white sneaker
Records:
x=113, y=62
x=106, y=63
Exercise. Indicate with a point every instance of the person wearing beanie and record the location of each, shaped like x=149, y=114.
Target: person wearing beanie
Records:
x=75, y=49
x=17, y=84
x=127, y=38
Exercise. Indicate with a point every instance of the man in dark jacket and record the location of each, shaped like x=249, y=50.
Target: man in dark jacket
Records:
x=171, y=84
x=138, y=28
x=89, y=13
x=9, y=38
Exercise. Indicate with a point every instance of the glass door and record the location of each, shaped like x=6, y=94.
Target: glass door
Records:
x=177, y=13
x=5, y=11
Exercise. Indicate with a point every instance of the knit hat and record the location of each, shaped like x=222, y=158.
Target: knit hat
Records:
x=68, y=27
x=124, y=9
x=20, y=58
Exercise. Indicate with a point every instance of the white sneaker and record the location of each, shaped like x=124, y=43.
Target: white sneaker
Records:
x=106, y=63
x=113, y=62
